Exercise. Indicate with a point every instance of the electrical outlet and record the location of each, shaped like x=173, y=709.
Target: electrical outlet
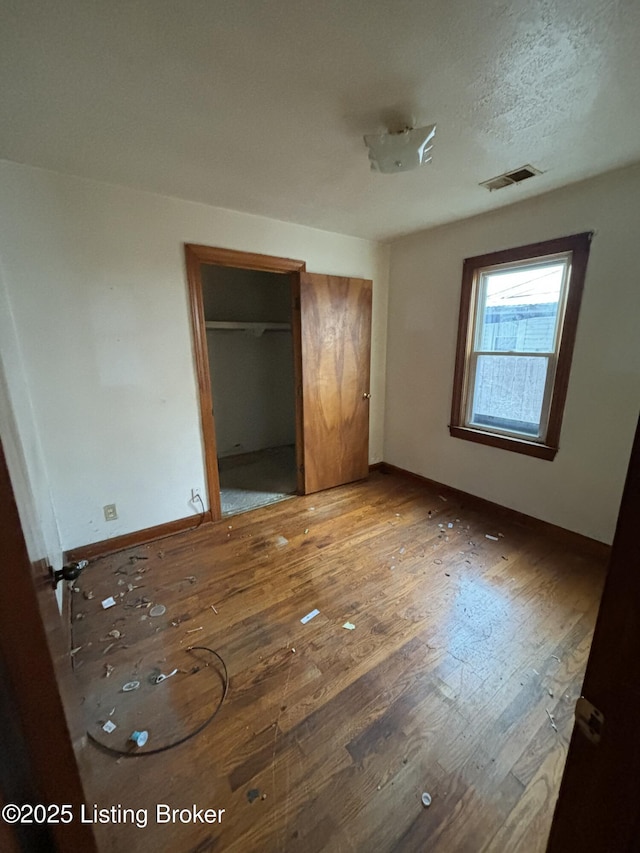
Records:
x=195, y=494
x=110, y=512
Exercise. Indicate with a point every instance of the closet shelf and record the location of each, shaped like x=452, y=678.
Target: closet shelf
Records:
x=255, y=328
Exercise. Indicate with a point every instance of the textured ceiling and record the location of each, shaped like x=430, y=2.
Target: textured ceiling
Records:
x=261, y=106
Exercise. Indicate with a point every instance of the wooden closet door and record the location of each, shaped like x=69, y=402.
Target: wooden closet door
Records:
x=335, y=343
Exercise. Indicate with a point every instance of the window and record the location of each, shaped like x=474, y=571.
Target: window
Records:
x=518, y=317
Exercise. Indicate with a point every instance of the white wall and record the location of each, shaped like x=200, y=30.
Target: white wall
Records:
x=22, y=448
x=581, y=489
x=253, y=390
x=96, y=284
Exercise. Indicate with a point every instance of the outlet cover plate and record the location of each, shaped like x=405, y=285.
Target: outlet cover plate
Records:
x=110, y=512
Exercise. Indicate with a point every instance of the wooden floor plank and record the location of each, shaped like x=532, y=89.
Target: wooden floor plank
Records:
x=461, y=646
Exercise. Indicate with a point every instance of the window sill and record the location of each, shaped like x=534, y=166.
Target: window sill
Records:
x=517, y=445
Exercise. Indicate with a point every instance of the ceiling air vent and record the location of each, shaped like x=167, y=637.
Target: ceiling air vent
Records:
x=511, y=178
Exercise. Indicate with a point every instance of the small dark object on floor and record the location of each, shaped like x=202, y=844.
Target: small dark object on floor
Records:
x=253, y=794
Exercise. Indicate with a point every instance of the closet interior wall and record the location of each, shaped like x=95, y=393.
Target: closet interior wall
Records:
x=250, y=349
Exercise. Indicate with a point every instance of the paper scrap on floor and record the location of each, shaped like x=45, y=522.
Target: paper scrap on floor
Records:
x=309, y=616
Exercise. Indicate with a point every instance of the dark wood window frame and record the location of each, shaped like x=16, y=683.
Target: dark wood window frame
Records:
x=547, y=446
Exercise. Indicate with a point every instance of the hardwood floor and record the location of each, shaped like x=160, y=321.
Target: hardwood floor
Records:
x=462, y=648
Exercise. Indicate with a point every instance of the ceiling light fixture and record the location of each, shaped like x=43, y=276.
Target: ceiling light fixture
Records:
x=400, y=151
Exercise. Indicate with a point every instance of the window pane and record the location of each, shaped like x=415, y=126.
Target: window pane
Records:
x=508, y=392
x=518, y=309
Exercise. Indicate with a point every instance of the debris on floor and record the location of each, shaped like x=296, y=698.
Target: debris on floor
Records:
x=306, y=530
x=75, y=651
x=349, y=626
x=213, y=608
x=253, y=794
x=555, y=657
x=129, y=686
x=402, y=550
x=489, y=536
x=88, y=595
x=158, y=679
x=442, y=498
x=426, y=799
x=438, y=562
x=108, y=669
x=134, y=558
x=139, y=738
x=552, y=720
x=108, y=602
x=158, y=610
x=281, y=541
x=109, y=727
x=450, y=525
x=195, y=630
x=309, y=616
x=191, y=578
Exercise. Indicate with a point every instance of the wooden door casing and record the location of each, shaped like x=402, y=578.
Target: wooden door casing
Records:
x=335, y=341
x=195, y=256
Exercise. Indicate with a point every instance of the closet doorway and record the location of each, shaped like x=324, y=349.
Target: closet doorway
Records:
x=330, y=346
x=248, y=325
